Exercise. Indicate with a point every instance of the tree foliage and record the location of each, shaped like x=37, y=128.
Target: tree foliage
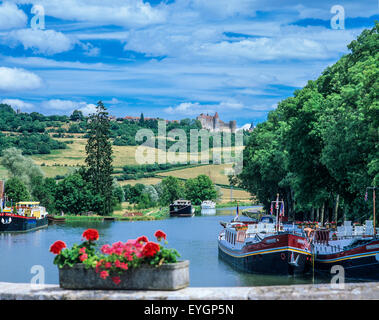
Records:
x=99, y=157
x=319, y=149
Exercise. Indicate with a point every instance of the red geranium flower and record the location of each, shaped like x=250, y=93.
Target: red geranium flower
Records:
x=160, y=234
x=150, y=249
x=143, y=239
x=57, y=247
x=91, y=234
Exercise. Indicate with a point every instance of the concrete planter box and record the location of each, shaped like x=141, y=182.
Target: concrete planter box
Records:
x=171, y=276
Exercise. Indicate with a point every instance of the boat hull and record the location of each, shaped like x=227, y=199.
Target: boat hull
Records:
x=283, y=257
x=15, y=223
x=361, y=263
x=185, y=211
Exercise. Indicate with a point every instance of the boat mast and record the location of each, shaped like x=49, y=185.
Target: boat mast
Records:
x=373, y=200
x=277, y=202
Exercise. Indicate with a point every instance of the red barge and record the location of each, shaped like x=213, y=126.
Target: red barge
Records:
x=356, y=249
x=25, y=216
x=266, y=246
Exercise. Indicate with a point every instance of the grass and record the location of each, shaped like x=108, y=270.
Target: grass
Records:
x=148, y=214
x=215, y=172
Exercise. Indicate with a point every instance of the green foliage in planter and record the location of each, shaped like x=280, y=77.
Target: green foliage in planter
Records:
x=70, y=257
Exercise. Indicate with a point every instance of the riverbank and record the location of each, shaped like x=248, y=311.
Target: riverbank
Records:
x=136, y=215
x=143, y=214
x=351, y=291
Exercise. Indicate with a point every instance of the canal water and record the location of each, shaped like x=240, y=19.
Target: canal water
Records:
x=195, y=238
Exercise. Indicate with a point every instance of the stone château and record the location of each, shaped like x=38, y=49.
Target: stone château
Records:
x=215, y=124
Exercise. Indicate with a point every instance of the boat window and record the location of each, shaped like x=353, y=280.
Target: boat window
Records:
x=267, y=220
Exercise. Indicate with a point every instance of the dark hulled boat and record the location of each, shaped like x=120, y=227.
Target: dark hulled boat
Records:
x=357, y=251
x=182, y=208
x=259, y=247
x=25, y=216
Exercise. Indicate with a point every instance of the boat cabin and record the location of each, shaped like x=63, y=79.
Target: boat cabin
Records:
x=30, y=209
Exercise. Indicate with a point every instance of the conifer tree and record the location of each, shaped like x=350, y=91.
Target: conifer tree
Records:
x=99, y=156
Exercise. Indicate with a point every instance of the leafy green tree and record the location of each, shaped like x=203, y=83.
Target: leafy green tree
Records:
x=19, y=166
x=16, y=190
x=77, y=115
x=74, y=195
x=99, y=156
x=319, y=149
x=44, y=190
x=172, y=189
x=199, y=189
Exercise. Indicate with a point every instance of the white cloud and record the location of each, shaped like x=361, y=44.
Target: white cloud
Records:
x=113, y=101
x=90, y=50
x=18, y=104
x=110, y=12
x=263, y=49
x=191, y=109
x=12, y=79
x=11, y=17
x=69, y=106
x=42, y=41
x=87, y=109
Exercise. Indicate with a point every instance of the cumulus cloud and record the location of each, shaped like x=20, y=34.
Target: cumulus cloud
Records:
x=110, y=12
x=42, y=41
x=11, y=17
x=195, y=108
x=18, y=104
x=69, y=106
x=12, y=79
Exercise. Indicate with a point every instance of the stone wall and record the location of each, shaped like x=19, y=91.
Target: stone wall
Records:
x=356, y=291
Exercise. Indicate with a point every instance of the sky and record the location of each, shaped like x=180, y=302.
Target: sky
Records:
x=172, y=59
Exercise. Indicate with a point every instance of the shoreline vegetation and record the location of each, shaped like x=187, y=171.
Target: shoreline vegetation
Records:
x=156, y=213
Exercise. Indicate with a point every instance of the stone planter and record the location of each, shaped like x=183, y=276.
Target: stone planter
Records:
x=171, y=276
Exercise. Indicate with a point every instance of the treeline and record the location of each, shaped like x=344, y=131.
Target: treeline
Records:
x=122, y=131
x=135, y=172
x=27, y=123
x=170, y=189
x=319, y=149
x=30, y=128
x=30, y=143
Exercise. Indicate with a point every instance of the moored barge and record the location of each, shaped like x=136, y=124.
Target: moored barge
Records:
x=355, y=249
x=259, y=247
x=24, y=216
x=182, y=208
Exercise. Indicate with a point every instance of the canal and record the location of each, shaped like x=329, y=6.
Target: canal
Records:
x=195, y=239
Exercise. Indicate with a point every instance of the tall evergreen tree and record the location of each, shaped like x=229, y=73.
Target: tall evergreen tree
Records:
x=99, y=156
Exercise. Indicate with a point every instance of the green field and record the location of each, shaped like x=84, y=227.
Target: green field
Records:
x=62, y=162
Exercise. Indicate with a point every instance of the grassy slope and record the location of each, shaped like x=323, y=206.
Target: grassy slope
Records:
x=60, y=162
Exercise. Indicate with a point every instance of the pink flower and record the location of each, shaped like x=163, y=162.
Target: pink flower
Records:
x=130, y=258
x=105, y=248
x=83, y=257
x=124, y=266
x=108, y=265
x=104, y=274
x=82, y=250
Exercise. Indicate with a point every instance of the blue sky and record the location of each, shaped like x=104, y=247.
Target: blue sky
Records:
x=170, y=59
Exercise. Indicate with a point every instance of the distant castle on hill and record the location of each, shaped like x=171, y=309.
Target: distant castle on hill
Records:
x=215, y=124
